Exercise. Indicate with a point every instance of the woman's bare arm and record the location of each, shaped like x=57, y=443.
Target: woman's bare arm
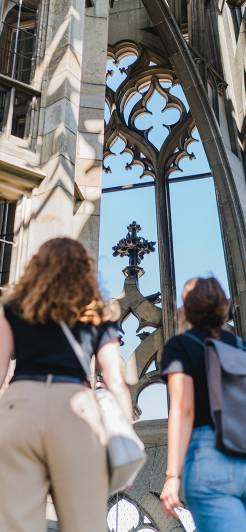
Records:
x=6, y=346
x=111, y=365
x=180, y=424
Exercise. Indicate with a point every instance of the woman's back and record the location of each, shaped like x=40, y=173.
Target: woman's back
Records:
x=42, y=348
x=214, y=483
x=184, y=354
x=50, y=426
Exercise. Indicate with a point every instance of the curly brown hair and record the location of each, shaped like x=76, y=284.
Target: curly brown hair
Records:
x=205, y=303
x=59, y=283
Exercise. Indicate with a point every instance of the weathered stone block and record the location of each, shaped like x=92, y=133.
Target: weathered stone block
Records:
x=89, y=172
x=66, y=24
x=92, y=194
x=63, y=85
x=91, y=120
x=64, y=59
x=92, y=95
x=100, y=9
x=62, y=112
x=89, y=233
x=95, y=50
x=90, y=146
x=51, y=209
x=59, y=141
x=59, y=171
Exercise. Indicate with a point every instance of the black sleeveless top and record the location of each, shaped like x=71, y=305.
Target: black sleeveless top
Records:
x=43, y=348
x=184, y=355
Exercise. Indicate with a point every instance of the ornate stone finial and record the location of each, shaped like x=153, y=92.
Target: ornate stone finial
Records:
x=134, y=247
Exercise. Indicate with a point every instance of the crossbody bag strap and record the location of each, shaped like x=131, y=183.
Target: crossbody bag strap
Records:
x=77, y=349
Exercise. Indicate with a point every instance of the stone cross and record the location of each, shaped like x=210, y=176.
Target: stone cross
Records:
x=135, y=247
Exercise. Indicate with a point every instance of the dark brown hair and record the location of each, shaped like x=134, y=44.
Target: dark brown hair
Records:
x=59, y=283
x=205, y=303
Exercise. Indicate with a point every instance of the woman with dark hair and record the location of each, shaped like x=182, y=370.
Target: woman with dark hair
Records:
x=214, y=483
x=51, y=439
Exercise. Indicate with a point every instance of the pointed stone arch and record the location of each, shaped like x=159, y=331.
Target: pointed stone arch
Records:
x=233, y=217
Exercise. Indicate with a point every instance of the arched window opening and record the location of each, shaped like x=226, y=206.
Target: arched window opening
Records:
x=152, y=402
x=118, y=66
x=122, y=167
x=117, y=210
x=151, y=367
x=126, y=516
x=130, y=341
x=154, y=162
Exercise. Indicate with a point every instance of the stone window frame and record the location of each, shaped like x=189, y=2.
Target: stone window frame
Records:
x=15, y=88
x=7, y=216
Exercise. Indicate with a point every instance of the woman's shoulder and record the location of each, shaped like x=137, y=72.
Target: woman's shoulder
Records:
x=176, y=357
x=102, y=332
x=176, y=341
x=99, y=327
x=107, y=324
x=10, y=311
x=230, y=338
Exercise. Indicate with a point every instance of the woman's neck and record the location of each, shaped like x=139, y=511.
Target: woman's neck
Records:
x=214, y=332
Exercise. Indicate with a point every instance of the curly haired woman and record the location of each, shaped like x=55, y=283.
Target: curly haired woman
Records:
x=214, y=483
x=49, y=442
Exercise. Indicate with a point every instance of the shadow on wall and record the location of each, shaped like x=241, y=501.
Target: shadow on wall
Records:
x=58, y=71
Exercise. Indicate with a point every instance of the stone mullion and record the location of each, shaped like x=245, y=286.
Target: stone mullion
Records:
x=166, y=260
x=196, y=25
x=212, y=44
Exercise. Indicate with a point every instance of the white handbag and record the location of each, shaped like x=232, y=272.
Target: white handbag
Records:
x=125, y=450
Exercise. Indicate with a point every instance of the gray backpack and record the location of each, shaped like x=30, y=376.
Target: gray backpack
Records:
x=226, y=377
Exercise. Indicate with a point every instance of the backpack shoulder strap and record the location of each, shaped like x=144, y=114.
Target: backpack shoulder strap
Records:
x=193, y=337
x=240, y=343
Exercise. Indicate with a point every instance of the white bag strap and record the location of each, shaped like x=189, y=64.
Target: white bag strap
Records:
x=77, y=349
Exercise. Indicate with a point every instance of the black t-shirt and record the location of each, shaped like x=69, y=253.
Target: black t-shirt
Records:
x=182, y=354
x=43, y=348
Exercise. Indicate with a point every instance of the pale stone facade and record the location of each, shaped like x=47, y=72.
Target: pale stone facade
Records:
x=52, y=98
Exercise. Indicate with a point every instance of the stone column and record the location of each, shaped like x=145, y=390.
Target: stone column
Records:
x=91, y=125
x=167, y=274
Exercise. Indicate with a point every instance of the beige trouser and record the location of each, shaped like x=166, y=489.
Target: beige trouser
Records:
x=50, y=441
